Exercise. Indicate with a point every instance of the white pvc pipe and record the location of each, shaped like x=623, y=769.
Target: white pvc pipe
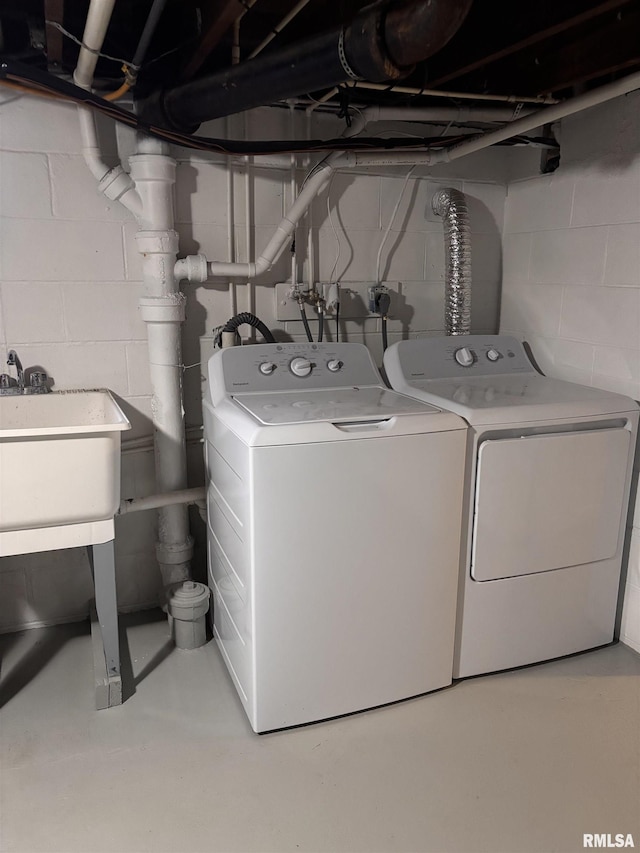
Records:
x=460, y=96
x=95, y=30
x=112, y=181
x=319, y=179
x=284, y=230
x=185, y=496
x=162, y=309
x=442, y=115
x=151, y=199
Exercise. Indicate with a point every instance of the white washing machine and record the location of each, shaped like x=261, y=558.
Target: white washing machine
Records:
x=334, y=514
x=548, y=475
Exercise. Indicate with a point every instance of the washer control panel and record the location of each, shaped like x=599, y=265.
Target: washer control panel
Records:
x=261, y=368
x=458, y=356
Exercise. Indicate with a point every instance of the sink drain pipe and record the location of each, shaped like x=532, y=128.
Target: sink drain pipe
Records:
x=148, y=193
x=163, y=310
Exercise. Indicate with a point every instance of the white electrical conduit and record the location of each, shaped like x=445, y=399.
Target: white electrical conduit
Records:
x=279, y=27
x=459, y=96
x=293, y=188
x=441, y=115
x=311, y=252
x=231, y=248
x=391, y=221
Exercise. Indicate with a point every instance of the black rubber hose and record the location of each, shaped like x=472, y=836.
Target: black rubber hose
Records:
x=250, y=320
x=320, y=325
x=385, y=343
x=305, y=321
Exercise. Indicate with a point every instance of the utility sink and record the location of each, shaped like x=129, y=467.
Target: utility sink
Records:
x=59, y=469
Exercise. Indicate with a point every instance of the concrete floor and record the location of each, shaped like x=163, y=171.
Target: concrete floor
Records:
x=523, y=761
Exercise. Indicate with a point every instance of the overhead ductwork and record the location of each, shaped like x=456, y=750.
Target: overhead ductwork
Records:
x=452, y=206
x=382, y=44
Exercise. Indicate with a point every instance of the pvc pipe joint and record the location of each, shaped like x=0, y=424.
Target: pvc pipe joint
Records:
x=188, y=603
x=163, y=309
x=174, y=554
x=153, y=167
x=157, y=242
x=192, y=268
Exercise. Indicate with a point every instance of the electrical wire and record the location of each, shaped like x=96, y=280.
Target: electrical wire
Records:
x=42, y=83
x=92, y=50
x=391, y=221
x=338, y=322
x=335, y=233
x=39, y=81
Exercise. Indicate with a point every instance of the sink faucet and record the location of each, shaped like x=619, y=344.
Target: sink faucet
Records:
x=12, y=359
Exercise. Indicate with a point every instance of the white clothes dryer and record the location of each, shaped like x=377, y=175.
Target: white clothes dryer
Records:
x=334, y=517
x=549, y=468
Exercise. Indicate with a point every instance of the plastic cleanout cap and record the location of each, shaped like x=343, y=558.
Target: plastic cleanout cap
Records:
x=188, y=603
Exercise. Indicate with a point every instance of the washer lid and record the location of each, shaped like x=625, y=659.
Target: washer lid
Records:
x=512, y=398
x=337, y=405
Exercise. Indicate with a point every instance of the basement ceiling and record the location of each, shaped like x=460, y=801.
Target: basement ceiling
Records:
x=519, y=50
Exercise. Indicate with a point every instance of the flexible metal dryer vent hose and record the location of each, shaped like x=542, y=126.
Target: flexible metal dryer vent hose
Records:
x=452, y=206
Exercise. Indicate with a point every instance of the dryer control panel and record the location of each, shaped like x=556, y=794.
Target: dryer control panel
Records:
x=458, y=356
x=263, y=368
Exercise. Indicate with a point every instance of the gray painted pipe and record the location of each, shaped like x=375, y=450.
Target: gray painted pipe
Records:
x=452, y=206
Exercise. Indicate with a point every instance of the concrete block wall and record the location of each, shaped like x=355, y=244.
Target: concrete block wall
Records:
x=70, y=280
x=571, y=279
x=68, y=302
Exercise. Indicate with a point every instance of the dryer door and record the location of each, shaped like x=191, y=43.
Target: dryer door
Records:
x=546, y=502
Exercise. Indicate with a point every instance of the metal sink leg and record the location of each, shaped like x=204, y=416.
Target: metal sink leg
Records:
x=104, y=626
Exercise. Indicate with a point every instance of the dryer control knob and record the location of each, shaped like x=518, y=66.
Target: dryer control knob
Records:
x=334, y=365
x=464, y=357
x=267, y=368
x=493, y=354
x=300, y=366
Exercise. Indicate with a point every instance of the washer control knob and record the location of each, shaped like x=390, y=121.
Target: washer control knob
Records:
x=300, y=366
x=267, y=368
x=464, y=357
x=334, y=365
x=493, y=354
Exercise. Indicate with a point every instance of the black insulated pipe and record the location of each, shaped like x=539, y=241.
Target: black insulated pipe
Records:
x=381, y=45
